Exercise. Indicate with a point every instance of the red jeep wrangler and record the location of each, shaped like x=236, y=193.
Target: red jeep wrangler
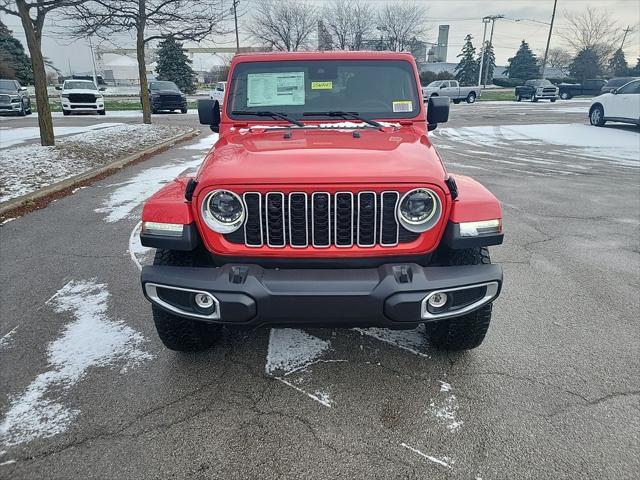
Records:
x=323, y=203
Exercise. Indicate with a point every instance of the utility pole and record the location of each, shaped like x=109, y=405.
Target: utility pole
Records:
x=624, y=37
x=493, y=19
x=546, y=51
x=486, y=21
x=93, y=60
x=235, y=20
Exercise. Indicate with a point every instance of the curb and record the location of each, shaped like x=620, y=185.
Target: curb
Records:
x=88, y=176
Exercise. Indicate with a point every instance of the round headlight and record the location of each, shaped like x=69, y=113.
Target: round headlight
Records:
x=223, y=211
x=419, y=210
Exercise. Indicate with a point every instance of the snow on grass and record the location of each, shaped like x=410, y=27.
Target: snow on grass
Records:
x=620, y=146
x=91, y=340
x=24, y=169
x=15, y=136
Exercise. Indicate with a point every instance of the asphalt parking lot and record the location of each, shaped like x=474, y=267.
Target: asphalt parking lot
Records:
x=88, y=391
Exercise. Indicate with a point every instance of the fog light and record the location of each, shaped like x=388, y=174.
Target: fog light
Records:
x=438, y=300
x=203, y=301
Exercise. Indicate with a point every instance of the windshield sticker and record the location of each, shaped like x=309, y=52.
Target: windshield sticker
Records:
x=321, y=85
x=403, y=106
x=281, y=88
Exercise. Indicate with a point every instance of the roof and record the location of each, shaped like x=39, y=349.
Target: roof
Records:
x=322, y=55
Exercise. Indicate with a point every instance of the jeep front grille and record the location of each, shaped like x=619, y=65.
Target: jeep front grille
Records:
x=321, y=220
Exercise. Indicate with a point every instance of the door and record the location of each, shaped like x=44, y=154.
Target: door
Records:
x=625, y=103
x=451, y=90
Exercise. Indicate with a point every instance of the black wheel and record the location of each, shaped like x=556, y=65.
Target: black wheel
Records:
x=596, y=116
x=154, y=111
x=456, y=101
x=183, y=110
x=518, y=98
x=29, y=109
x=65, y=112
x=565, y=96
x=23, y=110
x=468, y=331
x=471, y=98
x=102, y=112
x=177, y=333
x=534, y=99
x=552, y=100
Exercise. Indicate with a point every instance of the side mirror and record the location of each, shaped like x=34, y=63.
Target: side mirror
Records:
x=23, y=89
x=614, y=91
x=102, y=89
x=437, y=112
x=442, y=86
x=58, y=87
x=209, y=114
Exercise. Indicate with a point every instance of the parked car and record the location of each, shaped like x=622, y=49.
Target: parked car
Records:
x=166, y=96
x=588, y=87
x=451, y=89
x=81, y=96
x=218, y=92
x=14, y=98
x=616, y=82
x=330, y=207
x=535, y=90
x=619, y=105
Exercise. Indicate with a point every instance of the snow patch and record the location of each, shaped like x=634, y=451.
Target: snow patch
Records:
x=91, y=340
x=15, y=136
x=5, y=341
x=290, y=349
x=446, y=409
x=444, y=461
x=205, y=143
x=121, y=202
x=139, y=254
x=413, y=341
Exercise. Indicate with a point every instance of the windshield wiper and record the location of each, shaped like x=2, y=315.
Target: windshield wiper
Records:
x=266, y=113
x=339, y=113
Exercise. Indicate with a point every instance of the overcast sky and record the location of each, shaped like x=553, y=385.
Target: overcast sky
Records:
x=463, y=16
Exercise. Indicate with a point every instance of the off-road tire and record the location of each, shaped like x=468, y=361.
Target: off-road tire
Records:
x=471, y=98
x=177, y=333
x=596, y=116
x=468, y=331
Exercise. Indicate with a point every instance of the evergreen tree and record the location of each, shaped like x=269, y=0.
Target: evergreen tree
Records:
x=585, y=65
x=174, y=65
x=16, y=63
x=524, y=65
x=467, y=69
x=489, y=63
x=618, y=66
x=635, y=71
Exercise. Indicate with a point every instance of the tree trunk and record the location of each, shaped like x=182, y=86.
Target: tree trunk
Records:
x=142, y=65
x=34, y=43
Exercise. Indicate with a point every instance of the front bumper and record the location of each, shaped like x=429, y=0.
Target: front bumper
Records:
x=83, y=107
x=11, y=107
x=392, y=295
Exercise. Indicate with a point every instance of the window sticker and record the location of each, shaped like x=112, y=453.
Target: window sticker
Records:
x=281, y=88
x=402, y=106
x=321, y=85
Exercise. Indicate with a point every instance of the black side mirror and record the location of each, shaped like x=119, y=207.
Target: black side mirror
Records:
x=102, y=89
x=614, y=91
x=437, y=112
x=209, y=113
x=58, y=87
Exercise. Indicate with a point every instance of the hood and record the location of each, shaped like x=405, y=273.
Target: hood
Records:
x=9, y=92
x=322, y=156
x=165, y=92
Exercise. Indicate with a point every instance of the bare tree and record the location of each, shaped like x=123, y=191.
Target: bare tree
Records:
x=32, y=15
x=349, y=23
x=559, y=58
x=283, y=25
x=592, y=29
x=148, y=20
x=401, y=23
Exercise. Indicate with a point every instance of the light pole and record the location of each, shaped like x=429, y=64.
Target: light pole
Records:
x=493, y=24
x=486, y=21
x=93, y=60
x=546, y=51
x=235, y=19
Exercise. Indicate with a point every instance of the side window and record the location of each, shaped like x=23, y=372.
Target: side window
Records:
x=445, y=84
x=633, y=87
x=453, y=83
x=220, y=87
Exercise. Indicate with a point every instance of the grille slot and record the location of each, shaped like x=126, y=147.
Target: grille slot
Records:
x=82, y=98
x=321, y=220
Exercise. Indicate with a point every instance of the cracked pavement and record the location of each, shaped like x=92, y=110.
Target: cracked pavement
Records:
x=553, y=392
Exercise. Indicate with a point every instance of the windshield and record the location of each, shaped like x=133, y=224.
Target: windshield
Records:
x=68, y=85
x=541, y=83
x=618, y=82
x=163, y=86
x=8, y=85
x=371, y=88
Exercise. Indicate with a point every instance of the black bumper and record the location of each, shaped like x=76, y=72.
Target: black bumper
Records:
x=388, y=296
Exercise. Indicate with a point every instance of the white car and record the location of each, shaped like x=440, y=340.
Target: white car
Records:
x=81, y=96
x=620, y=105
x=218, y=93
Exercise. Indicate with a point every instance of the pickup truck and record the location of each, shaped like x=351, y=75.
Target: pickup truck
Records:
x=218, y=92
x=535, y=90
x=451, y=89
x=14, y=98
x=324, y=203
x=588, y=87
